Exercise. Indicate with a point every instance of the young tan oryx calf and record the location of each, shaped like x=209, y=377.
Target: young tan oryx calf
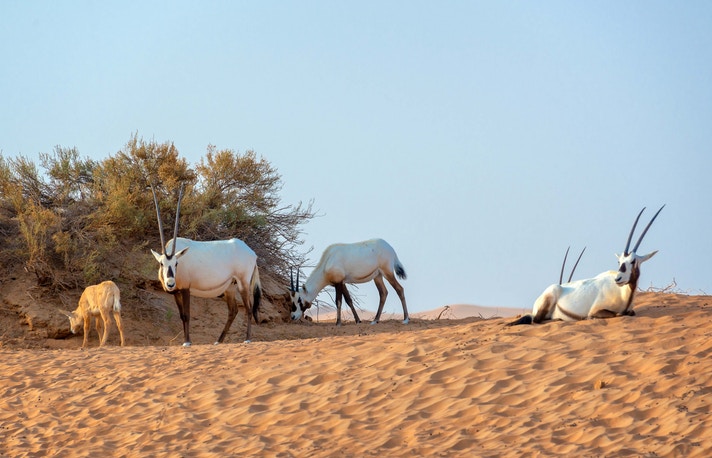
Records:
x=97, y=300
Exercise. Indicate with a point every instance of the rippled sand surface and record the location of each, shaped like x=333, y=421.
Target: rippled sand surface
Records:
x=630, y=386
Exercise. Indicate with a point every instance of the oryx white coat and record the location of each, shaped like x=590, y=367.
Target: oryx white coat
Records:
x=343, y=263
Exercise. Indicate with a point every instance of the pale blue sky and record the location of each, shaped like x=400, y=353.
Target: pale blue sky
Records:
x=479, y=138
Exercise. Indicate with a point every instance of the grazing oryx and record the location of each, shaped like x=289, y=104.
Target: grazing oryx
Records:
x=96, y=301
x=208, y=269
x=607, y=295
x=343, y=263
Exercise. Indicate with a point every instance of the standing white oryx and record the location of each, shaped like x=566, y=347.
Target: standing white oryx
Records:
x=343, y=263
x=606, y=295
x=208, y=269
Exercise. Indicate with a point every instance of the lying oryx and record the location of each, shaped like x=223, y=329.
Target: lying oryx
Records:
x=208, y=269
x=343, y=263
x=97, y=301
x=607, y=295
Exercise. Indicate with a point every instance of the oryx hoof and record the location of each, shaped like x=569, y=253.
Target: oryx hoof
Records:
x=247, y=341
x=406, y=321
x=186, y=344
x=374, y=322
x=216, y=343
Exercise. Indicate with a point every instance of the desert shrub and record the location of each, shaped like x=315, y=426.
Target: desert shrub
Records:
x=26, y=200
x=79, y=221
x=37, y=225
x=69, y=177
x=239, y=197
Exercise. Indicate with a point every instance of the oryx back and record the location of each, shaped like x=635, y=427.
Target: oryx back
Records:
x=580, y=299
x=209, y=268
x=358, y=262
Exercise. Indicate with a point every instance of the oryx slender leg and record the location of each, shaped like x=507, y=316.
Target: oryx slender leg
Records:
x=87, y=325
x=339, y=294
x=117, y=318
x=382, y=294
x=182, y=299
x=543, y=311
x=401, y=294
x=350, y=303
x=231, y=313
x=546, y=304
x=247, y=302
x=106, y=318
x=603, y=314
x=254, y=300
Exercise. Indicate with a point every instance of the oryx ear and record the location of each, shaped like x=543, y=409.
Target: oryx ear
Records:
x=181, y=252
x=156, y=255
x=644, y=258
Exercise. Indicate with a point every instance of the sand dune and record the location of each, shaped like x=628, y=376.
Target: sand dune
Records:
x=631, y=386
x=447, y=312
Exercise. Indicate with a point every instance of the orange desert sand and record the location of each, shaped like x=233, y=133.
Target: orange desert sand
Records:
x=629, y=386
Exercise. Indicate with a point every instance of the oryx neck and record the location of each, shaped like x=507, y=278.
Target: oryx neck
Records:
x=632, y=287
x=314, y=284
